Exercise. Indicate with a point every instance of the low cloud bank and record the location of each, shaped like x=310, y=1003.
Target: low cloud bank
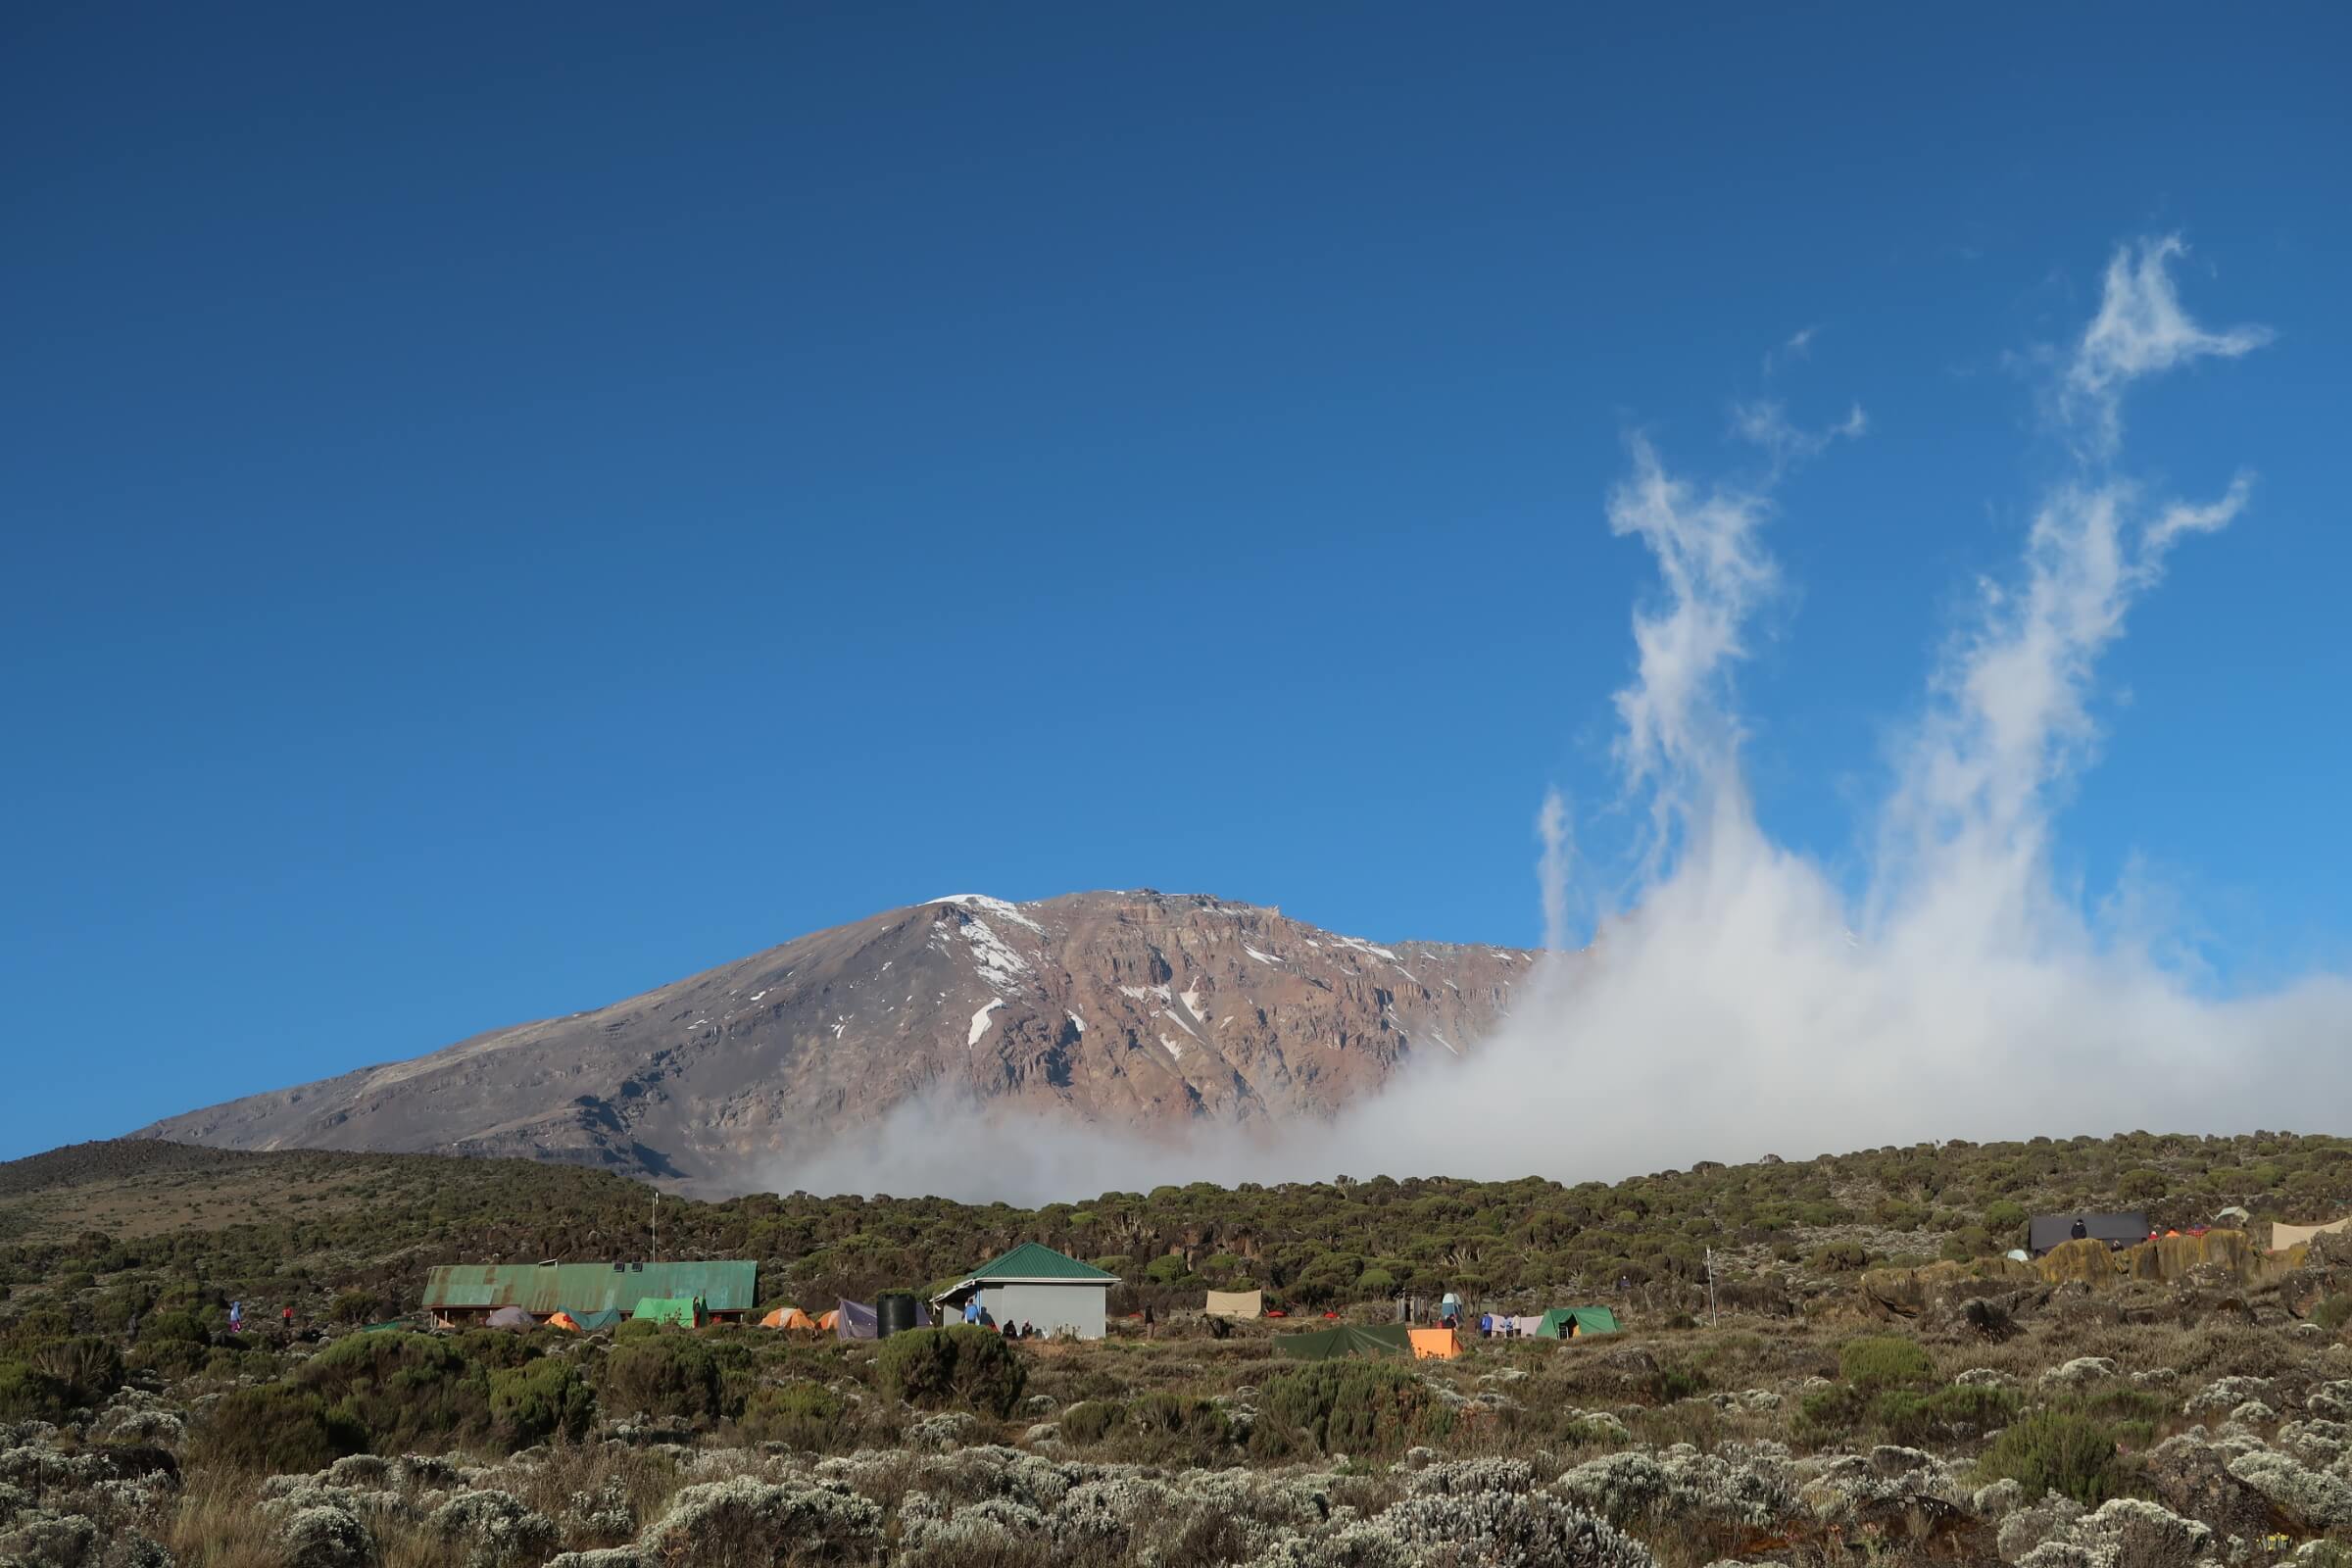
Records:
x=1739, y=999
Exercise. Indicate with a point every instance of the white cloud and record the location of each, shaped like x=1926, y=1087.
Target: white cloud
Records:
x=1749, y=1000
x=1676, y=718
x=1796, y=346
x=2140, y=329
x=1765, y=424
x=1555, y=866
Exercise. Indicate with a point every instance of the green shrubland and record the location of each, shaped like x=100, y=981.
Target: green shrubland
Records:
x=800, y=1414
x=2058, y=1451
x=1358, y=1408
x=960, y=1367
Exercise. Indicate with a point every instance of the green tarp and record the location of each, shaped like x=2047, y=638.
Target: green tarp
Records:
x=1329, y=1345
x=546, y=1289
x=686, y=1314
x=590, y=1322
x=1586, y=1319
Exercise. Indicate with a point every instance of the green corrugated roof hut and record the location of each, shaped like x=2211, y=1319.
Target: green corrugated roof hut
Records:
x=463, y=1294
x=1035, y=1261
x=1035, y=1286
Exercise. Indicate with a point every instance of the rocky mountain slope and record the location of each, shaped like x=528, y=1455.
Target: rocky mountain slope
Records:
x=1130, y=1009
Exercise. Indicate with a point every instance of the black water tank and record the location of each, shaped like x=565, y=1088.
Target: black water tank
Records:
x=894, y=1312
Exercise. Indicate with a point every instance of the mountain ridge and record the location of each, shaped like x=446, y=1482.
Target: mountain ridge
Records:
x=1132, y=1009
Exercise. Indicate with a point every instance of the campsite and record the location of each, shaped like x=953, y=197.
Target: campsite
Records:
x=1875, y=1367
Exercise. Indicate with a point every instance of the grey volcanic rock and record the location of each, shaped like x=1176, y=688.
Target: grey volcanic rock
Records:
x=1128, y=1009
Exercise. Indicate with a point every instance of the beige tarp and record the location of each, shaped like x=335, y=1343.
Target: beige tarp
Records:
x=2284, y=1237
x=1234, y=1303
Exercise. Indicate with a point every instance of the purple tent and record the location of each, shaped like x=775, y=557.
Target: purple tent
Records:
x=856, y=1321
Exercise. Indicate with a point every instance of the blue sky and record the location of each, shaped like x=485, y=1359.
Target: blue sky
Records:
x=504, y=510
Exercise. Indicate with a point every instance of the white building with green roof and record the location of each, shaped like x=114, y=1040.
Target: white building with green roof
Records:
x=1034, y=1285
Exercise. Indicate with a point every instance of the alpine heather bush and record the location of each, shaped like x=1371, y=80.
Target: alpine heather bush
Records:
x=402, y=1388
x=803, y=1414
x=1088, y=1422
x=1884, y=1361
x=658, y=1374
x=1359, y=1408
x=273, y=1429
x=960, y=1367
x=1952, y=1415
x=27, y=1393
x=1172, y=1428
x=541, y=1399
x=2056, y=1450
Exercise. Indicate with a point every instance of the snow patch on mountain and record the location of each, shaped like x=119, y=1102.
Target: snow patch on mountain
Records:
x=994, y=907
x=1002, y=968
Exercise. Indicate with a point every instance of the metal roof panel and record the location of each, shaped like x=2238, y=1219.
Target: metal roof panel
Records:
x=581, y=1288
x=1034, y=1260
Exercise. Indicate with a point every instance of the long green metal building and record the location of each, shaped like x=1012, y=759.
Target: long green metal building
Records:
x=462, y=1294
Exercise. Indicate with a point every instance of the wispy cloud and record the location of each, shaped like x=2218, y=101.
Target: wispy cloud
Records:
x=1554, y=867
x=1746, y=999
x=1796, y=347
x=1765, y=424
x=2140, y=329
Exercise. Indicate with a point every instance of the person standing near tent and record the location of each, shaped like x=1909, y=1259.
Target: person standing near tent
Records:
x=1149, y=1320
x=971, y=1311
x=287, y=1318
x=237, y=1317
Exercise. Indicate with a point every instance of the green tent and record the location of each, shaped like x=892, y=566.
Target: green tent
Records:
x=1584, y=1320
x=685, y=1313
x=1329, y=1345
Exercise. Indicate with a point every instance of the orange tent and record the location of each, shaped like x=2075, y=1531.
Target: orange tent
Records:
x=565, y=1321
x=1435, y=1345
x=787, y=1317
x=828, y=1323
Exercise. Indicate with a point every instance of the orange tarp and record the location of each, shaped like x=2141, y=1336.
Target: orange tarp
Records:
x=787, y=1317
x=565, y=1321
x=1435, y=1345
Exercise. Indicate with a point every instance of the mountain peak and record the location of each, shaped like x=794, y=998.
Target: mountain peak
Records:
x=1130, y=1009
